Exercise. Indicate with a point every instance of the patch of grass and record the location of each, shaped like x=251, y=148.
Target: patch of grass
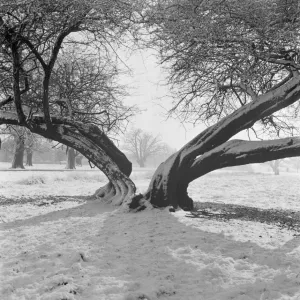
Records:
x=34, y=179
x=61, y=177
x=84, y=177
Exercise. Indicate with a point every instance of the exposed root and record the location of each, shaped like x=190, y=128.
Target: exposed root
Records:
x=122, y=193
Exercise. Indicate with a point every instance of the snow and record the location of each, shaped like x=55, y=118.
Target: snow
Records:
x=251, y=189
x=267, y=236
x=57, y=245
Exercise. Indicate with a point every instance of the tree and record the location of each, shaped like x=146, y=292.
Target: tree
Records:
x=296, y=162
x=142, y=145
x=232, y=64
x=32, y=35
x=274, y=164
x=18, y=158
x=14, y=143
x=78, y=160
x=71, y=156
x=7, y=146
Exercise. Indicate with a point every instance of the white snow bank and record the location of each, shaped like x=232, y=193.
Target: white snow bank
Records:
x=250, y=189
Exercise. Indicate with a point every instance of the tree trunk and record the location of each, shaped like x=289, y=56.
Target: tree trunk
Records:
x=71, y=159
x=212, y=149
x=78, y=160
x=29, y=155
x=92, y=143
x=18, y=153
x=275, y=166
x=168, y=186
x=141, y=163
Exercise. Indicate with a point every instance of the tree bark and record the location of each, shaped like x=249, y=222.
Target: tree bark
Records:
x=210, y=150
x=71, y=159
x=29, y=155
x=18, y=157
x=168, y=186
x=92, y=143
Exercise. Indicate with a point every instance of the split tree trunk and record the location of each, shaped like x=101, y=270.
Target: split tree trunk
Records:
x=18, y=158
x=29, y=156
x=71, y=159
x=212, y=149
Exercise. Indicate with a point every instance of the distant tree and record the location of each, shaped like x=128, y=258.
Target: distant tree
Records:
x=296, y=163
x=233, y=65
x=161, y=156
x=19, y=135
x=78, y=160
x=274, y=164
x=7, y=147
x=142, y=145
x=35, y=144
x=33, y=36
x=71, y=158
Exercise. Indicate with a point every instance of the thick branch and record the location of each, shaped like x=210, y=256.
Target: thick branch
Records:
x=34, y=51
x=16, y=83
x=91, y=132
x=243, y=118
x=239, y=152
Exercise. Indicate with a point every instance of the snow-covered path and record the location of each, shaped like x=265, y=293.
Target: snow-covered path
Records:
x=92, y=252
x=56, y=246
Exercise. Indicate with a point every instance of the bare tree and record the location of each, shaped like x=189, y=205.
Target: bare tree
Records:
x=7, y=146
x=274, y=164
x=71, y=158
x=32, y=35
x=78, y=160
x=231, y=64
x=296, y=162
x=19, y=149
x=142, y=145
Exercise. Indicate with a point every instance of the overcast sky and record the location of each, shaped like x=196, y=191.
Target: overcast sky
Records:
x=147, y=92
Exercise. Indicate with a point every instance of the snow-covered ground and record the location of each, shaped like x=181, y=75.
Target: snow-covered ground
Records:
x=57, y=245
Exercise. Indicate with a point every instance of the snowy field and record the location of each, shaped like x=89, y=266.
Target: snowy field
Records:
x=58, y=245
